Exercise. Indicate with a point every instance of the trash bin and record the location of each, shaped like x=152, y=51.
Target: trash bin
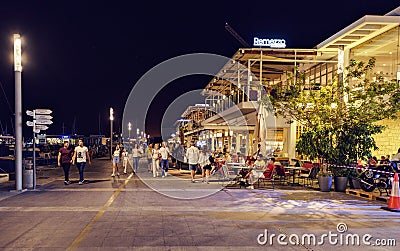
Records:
x=27, y=179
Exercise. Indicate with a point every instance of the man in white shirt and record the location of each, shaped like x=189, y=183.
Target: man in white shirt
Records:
x=192, y=156
x=81, y=155
x=164, y=159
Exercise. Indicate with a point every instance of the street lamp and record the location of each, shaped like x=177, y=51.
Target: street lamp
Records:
x=129, y=130
x=18, y=112
x=111, y=130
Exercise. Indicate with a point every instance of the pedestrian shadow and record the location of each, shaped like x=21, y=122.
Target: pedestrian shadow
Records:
x=97, y=181
x=116, y=181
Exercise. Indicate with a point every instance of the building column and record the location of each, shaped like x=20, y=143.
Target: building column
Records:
x=291, y=140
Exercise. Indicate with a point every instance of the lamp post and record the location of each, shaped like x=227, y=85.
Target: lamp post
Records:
x=18, y=112
x=111, y=130
x=129, y=131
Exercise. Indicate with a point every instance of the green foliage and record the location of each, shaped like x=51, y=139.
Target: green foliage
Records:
x=339, y=118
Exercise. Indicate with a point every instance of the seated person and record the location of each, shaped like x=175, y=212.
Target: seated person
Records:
x=235, y=158
x=241, y=159
x=251, y=177
x=271, y=165
x=227, y=158
x=259, y=163
x=372, y=161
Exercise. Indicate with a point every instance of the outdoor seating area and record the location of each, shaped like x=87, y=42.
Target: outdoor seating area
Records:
x=262, y=177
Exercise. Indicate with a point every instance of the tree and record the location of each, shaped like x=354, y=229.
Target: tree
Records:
x=339, y=118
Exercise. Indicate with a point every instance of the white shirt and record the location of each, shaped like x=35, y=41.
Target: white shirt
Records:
x=81, y=153
x=125, y=155
x=164, y=152
x=155, y=153
x=135, y=152
x=203, y=159
x=116, y=153
x=192, y=155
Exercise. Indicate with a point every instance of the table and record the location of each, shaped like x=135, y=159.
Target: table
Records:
x=293, y=170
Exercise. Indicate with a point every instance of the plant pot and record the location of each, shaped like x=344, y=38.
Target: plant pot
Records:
x=325, y=183
x=340, y=184
x=354, y=183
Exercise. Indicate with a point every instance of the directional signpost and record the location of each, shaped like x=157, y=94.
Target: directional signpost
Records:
x=41, y=118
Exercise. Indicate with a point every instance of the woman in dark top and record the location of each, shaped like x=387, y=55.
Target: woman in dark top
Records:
x=65, y=160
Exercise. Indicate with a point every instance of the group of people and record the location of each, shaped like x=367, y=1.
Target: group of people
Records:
x=79, y=156
x=122, y=155
x=157, y=158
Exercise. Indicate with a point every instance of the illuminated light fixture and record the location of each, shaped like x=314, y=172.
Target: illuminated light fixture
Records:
x=384, y=64
x=231, y=133
x=129, y=126
x=309, y=105
x=17, y=53
x=250, y=78
x=219, y=134
x=390, y=52
x=215, y=135
x=226, y=133
x=111, y=114
x=333, y=105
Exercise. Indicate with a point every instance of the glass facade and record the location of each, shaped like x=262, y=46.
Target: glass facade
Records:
x=385, y=48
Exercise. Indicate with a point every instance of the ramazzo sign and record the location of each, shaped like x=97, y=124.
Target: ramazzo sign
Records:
x=273, y=43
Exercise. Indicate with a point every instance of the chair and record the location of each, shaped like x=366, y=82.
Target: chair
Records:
x=268, y=177
x=281, y=174
x=312, y=175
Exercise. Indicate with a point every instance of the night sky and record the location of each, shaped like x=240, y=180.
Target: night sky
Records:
x=80, y=58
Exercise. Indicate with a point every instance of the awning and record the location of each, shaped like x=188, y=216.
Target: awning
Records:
x=359, y=32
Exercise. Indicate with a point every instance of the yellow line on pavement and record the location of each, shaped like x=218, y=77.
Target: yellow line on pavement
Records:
x=89, y=226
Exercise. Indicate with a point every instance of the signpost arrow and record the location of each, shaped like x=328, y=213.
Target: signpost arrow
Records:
x=43, y=111
x=29, y=113
x=41, y=127
x=29, y=123
x=43, y=117
x=44, y=122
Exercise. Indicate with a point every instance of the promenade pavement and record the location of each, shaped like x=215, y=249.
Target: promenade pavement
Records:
x=139, y=212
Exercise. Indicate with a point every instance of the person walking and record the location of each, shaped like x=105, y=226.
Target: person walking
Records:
x=192, y=156
x=164, y=159
x=149, y=153
x=136, y=152
x=205, y=165
x=124, y=159
x=116, y=160
x=65, y=160
x=81, y=156
x=156, y=156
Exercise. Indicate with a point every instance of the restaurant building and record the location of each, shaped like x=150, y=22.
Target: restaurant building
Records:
x=233, y=117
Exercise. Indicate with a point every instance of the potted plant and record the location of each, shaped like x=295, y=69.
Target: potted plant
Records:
x=340, y=177
x=324, y=181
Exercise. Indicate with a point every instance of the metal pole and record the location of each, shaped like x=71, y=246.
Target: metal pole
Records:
x=111, y=138
x=34, y=150
x=18, y=132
